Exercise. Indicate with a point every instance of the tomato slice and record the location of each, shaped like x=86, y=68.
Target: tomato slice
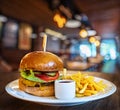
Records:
x=47, y=78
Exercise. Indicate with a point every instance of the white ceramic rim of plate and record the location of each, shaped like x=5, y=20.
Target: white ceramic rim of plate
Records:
x=13, y=90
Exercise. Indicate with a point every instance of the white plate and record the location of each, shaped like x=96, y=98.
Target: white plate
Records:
x=12, y=89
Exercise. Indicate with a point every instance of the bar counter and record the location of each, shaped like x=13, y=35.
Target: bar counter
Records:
x=7, y=102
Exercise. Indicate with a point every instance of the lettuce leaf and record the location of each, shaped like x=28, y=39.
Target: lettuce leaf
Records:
x=30, y=76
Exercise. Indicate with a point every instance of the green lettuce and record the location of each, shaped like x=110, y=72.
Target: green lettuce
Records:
x=30, y=76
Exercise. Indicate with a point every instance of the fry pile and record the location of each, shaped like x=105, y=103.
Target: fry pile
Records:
x=85, y=84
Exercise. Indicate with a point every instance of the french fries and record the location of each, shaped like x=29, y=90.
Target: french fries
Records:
x=85, y=84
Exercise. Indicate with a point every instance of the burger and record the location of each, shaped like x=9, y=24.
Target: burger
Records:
x=38, y=71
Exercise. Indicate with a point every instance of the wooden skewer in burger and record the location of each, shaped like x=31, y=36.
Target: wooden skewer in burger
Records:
x=38, y=71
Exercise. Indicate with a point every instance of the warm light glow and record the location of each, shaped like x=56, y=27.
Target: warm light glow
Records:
x=97, y=42
x=60, y=20
x=92, y=39
x=83, y=33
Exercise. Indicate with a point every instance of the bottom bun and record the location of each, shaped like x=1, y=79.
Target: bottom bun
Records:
x=44, y=91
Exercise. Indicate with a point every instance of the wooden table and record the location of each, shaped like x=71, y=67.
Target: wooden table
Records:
x=8, y=102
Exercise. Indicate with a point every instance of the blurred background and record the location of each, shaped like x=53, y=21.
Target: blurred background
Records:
x=84, y=33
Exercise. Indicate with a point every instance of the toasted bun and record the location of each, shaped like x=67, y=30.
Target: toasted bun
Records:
x=41, y=61
x=37, y=91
